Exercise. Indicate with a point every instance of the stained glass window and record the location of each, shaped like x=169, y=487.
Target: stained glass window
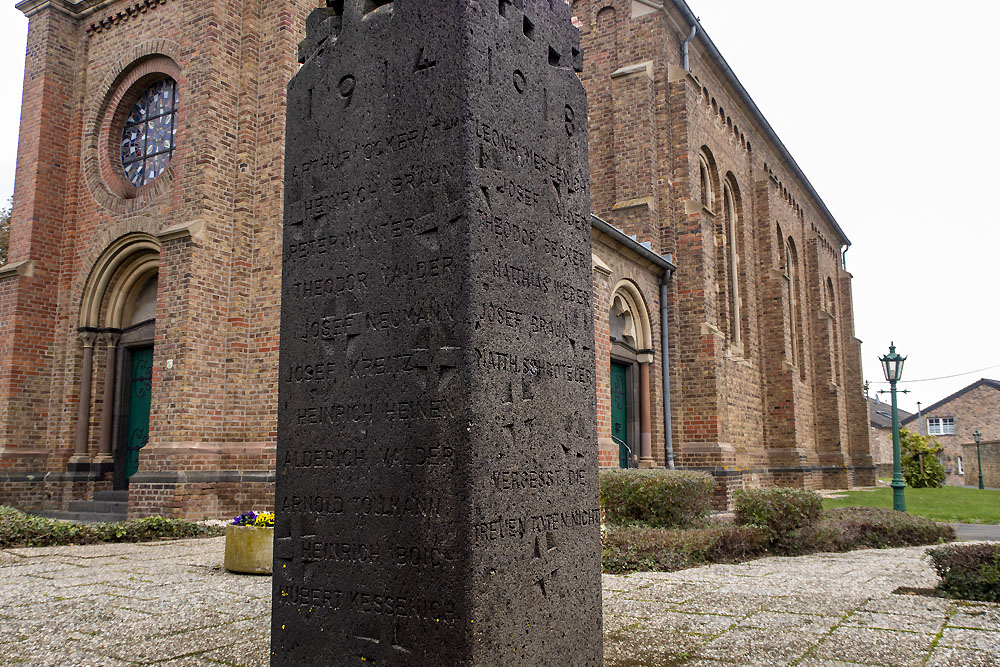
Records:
x=150, y=131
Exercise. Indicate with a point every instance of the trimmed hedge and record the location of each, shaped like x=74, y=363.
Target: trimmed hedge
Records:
x=848, y=528
x=657, y=498
x=783, y=512
x=633, y=548
x=968, y=571
x=18, y=529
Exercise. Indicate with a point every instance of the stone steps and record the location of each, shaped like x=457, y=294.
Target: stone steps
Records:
x=120, y=496
x=106, y=506
x=98, y=506
x=80, y=517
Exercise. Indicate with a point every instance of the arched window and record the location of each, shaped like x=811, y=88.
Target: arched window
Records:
x=621, y=321
x=831, y=308
x=705, y=181
x=628, y=317
x=782, y=246
x=149, y=134
x=141, y=306
x=790, y=277
x=794, y=305
x=731, y=220
x=829, y=298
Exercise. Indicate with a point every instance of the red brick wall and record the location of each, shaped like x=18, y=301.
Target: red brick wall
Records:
x=217, y=310
x=29, y=350
x=746, y=407
x=746, y=410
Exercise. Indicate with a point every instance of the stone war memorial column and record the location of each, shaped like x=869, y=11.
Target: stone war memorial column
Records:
x=437, y=500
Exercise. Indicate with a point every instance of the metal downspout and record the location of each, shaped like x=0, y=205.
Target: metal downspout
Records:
x=684, y=49
x=668, y=436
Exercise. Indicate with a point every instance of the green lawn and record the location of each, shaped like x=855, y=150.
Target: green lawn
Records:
x=947, y=503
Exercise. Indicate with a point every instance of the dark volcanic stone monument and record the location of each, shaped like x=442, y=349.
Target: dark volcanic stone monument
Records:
x=437, y=468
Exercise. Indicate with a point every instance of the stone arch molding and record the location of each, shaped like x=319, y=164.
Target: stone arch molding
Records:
x=627, y=302
x=151, y=58
x=138, y=52
x=130, y=261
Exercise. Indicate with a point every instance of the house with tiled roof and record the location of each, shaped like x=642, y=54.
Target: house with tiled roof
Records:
x=880, y=422
x=954, y=419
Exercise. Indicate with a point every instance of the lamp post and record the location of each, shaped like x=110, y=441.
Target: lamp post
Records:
x=979, y=456
x=892, y=367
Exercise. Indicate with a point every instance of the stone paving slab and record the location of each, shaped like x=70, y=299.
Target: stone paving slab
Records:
x=171, y=603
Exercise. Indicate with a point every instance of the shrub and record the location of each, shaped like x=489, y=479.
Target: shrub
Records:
x=919, y=460
x=782, y=512
x=658, y=498
x=635, y=548
x=850, y=528
x=18, y=529
x=968, y=571
x=736, y=544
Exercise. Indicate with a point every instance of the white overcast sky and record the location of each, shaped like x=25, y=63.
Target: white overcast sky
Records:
x=889, y=107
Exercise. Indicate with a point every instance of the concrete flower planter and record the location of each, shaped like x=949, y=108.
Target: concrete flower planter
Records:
x=249, y=549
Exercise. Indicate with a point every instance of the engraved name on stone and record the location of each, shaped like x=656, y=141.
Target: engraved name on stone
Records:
x=377, y=505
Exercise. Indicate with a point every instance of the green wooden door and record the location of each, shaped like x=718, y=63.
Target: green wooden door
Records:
x=619, y=412
x=139, y=398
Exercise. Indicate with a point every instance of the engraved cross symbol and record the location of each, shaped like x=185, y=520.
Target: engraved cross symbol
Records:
x=293, y=535
x=573, y=422
x=381, y=649
x=438, y=366
x=516, y=398
x=444, y=211
x=543, y=565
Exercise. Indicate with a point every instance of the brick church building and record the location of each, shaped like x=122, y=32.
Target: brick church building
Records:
x=139, y=308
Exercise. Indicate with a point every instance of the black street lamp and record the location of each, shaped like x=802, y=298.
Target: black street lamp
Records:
x=892, y=367
x=979, y=456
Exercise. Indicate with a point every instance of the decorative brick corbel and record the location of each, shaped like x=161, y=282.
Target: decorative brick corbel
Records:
x=195, y=229
x=600, y=266
x=637, y=68
x=24, y=268
x=677, y=74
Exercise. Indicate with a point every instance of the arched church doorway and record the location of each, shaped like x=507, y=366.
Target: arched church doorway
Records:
x=135, y=394
x=621, y=403
x=119, y=307
x=631, y=356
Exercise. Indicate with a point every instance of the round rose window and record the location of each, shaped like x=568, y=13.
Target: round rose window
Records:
x=148, y=138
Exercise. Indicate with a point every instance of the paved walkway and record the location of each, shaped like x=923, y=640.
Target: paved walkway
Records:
x=976, y=531
x=172, y=604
